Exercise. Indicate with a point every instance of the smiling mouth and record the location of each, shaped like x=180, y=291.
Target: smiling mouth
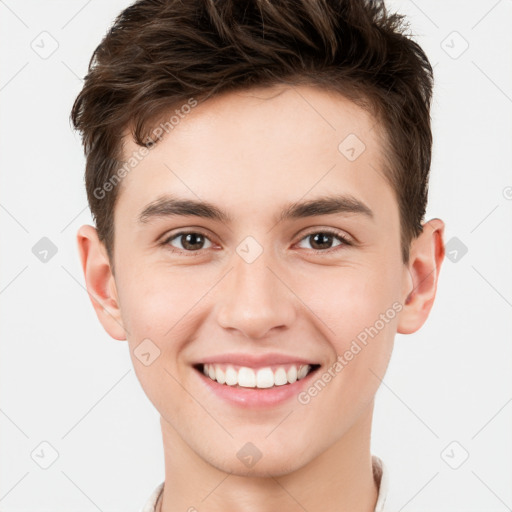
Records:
x=258, y=378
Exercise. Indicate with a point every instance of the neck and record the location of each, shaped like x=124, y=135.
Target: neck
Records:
x=340, y=479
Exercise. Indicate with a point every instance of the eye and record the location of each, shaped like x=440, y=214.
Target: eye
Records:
x=194, y=241
x=322, y=240
x=189, y=241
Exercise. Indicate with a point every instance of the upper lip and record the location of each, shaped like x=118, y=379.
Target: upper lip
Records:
x=255, y=361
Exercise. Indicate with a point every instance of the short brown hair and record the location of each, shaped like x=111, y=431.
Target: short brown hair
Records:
x=160, y=53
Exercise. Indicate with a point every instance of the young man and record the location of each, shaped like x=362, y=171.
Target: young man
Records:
x=258, y=176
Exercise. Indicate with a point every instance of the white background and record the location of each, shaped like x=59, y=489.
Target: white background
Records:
x=66, y=382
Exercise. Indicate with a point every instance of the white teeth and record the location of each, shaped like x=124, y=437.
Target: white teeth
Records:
x=262, y=378
x=280, y=377
x=231, y=376
x=291, y=374
x=265, y=378
x=220, y=376
x=246, y=377
x=302, y=372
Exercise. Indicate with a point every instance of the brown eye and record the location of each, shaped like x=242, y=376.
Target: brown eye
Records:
x=188, y=241
x=323, y=240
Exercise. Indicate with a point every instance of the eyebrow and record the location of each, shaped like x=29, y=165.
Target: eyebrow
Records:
x=169, y=206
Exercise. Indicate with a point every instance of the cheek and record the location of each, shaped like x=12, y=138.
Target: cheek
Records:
x=361, y=314
x=154, y=301
x=358, y=311
x=157, y=308
x=349, y=299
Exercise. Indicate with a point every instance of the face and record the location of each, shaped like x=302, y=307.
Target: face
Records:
x=257, y=280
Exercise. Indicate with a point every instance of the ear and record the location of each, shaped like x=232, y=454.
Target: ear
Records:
x=421, y=276
x=100, y=282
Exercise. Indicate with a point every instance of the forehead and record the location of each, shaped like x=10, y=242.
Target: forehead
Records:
x=250, y=147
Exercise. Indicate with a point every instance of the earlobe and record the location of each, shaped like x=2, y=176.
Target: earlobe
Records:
x=100, y=281
x=426, y=257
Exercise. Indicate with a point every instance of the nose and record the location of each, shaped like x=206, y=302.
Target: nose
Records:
x=254, y=300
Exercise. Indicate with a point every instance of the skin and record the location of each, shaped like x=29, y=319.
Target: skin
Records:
x=251, y=153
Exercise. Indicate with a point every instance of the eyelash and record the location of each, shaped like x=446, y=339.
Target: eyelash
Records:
x=343, y=239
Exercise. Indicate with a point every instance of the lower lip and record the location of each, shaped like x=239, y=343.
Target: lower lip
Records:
x=251, y=398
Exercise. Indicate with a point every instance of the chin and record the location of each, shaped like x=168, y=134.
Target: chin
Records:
x=267, y=466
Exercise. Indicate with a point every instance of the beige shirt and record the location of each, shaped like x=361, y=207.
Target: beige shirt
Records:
x=380, y=475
